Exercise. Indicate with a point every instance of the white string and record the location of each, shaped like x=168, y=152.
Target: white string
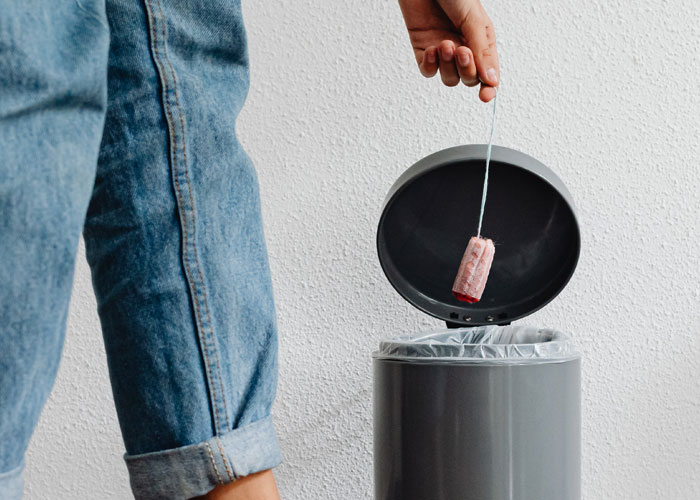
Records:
x=488, y=160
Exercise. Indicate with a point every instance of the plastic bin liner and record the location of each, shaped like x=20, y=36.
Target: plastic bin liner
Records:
x=501, y=344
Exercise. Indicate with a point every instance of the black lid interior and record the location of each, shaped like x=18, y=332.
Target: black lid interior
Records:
x=433, y=210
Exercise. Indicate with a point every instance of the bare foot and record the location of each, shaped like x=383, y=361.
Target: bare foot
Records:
x=259, y=486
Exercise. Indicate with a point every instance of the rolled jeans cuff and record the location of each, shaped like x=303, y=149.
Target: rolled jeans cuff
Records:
x=194, y=470
x=12, y=483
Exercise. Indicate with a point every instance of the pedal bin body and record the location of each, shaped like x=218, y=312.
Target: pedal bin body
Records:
x=484, y=409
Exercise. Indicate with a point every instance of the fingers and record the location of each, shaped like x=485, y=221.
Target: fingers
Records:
x=455, y=63
x=480, y=36
x=429, y=63
x=448, y=70
x=466, y=66
x=486, y=93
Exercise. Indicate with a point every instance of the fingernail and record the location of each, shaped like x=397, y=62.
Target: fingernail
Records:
x=492, y=75
x=463, y=58
x=430, y=56
x=447, y=53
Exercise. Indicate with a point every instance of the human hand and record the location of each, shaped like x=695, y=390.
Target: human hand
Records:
x=457, y=37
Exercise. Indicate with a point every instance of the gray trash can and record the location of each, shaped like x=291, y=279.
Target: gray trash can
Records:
x=485, y=409
x=480, y=413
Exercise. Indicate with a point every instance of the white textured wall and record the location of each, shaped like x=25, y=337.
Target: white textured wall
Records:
x=604, y=92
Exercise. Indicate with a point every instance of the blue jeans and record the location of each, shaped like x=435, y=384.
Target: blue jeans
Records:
x=117, y=118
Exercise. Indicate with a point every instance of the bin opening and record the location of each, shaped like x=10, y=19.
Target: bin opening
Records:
x=512, y=343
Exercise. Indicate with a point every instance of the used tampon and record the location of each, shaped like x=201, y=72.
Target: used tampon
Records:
x=474, y=270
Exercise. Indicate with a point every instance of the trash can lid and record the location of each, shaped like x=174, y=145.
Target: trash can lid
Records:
x=432, y=210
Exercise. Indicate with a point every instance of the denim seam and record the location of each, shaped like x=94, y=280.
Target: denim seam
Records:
x=213, y=462
x=181, y=211
x=194, y=227
x=223, y=457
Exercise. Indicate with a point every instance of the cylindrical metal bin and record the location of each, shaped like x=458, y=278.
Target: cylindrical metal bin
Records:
x=479, y=421
x=488, y=411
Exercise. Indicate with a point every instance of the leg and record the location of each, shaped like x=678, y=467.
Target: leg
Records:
x=53, y=62
x=175, y=242
x=253, y=487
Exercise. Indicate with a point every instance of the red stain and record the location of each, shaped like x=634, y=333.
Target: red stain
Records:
x=464, y=297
